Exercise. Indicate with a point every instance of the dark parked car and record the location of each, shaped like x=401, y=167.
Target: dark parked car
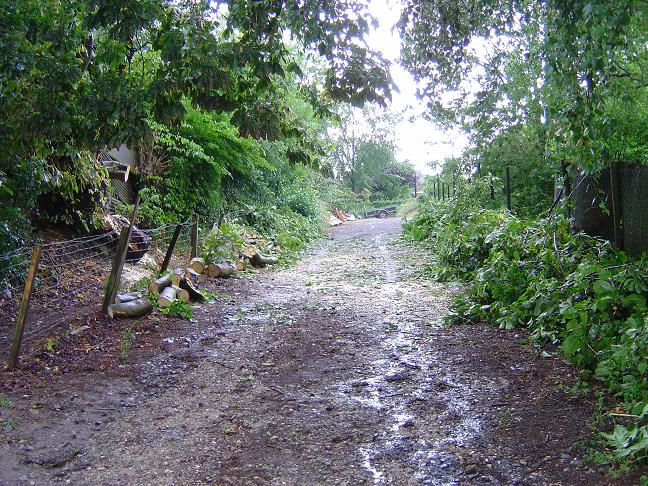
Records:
x=381, y=213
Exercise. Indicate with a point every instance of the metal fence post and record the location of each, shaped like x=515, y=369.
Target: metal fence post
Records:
x=24, y=308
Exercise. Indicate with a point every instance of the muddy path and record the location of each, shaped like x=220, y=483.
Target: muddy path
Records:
x=336, y=371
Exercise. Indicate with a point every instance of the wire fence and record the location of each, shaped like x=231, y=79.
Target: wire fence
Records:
x=70, y=283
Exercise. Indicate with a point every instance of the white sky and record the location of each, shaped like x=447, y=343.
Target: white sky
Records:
x=419, y=141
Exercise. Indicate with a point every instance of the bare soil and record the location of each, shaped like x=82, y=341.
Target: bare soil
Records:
x=336, y=371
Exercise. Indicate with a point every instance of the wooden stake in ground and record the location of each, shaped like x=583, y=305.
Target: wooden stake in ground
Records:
x=167, y=297
x=194, y=236
x=169, y=253
x=131, y=309
x=24, y=307
x=120, y=259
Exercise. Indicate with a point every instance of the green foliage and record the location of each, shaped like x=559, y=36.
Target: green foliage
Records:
x=303, y=201
x=563, y=68
x=631, y=442
x=179, y=309
x=187, y=80
x=224, y=243
x=191, y=181
x=126, y=343
x=568, y=289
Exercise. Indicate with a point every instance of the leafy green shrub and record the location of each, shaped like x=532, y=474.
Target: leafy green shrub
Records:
x=303, y=201
x=224, y=243
x=631, y=442
x=568, y=289
x=178, y=308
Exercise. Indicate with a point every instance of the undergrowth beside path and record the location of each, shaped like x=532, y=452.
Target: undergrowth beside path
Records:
x=567, y=289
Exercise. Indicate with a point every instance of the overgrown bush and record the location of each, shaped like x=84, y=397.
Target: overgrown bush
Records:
x=568, y=289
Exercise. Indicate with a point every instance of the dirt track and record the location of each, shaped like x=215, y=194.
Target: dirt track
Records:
x=337, y=371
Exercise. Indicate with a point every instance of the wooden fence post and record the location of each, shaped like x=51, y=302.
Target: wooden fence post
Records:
x=443, y=190
x=118, y=262
x=194, y=236
x=508, y=188
x=24, y=308
x=172, y=244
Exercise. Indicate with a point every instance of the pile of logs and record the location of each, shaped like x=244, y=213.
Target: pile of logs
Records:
x=182, y=284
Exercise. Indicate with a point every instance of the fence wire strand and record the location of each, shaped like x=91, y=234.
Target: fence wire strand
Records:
x=70, y=280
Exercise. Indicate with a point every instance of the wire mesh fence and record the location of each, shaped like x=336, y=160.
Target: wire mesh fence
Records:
x=70, y=283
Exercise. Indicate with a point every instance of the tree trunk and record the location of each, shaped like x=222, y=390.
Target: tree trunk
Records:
x=127, y=297
x=181, y=294
x=132, y=309
x=194, y=277
x=194, y=294
x=260, y=261
x=177, y=276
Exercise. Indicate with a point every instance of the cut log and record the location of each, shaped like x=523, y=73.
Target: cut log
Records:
x=181, y=294
x=167, y=297
x=156, y=286
x=240, y=265
x=249, y=252
x=193, y=276
x=194, y=294
x=197, y=264
x=216, y=270
x=132, y=309
x=127, y=297
x=177, y=276
x=260, y=261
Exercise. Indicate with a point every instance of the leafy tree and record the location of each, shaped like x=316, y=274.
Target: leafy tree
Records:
x=79, y=76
